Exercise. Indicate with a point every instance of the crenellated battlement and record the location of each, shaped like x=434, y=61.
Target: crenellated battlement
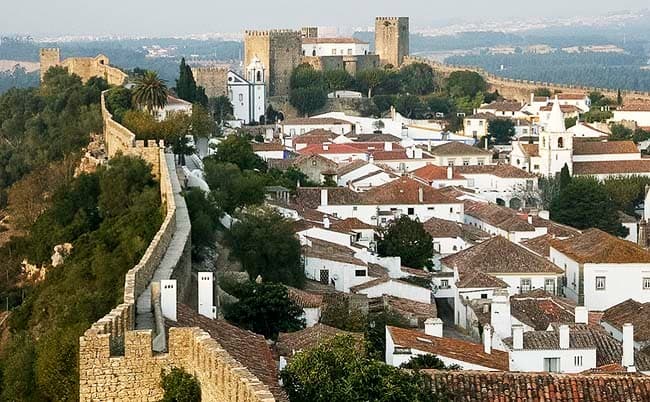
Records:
x=273, y=32
x=393, y=19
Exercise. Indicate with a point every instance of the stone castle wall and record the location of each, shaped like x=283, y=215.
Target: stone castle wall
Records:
x=521, y=89
x=213, y=79
x=392, y=39
x=116, y=362
x=351, y=64
x=280, y=51
x=84, y=67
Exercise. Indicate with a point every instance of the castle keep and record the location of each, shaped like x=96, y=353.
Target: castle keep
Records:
x=392, y=40
x=84, y=67
x=280, y=51
x=213, y=78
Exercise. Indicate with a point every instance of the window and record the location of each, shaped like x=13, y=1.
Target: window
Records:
x=360, y=272
x=465, y=162
x=600, y=283
x=543, y=142
x=480, y=123
x=451, y=210
x=333, y=52
x=524, y=285
x=577, y=361
x=411, y=211
x=241, y=97
x=470, y=183
x=483, y=295
x=450, y=162
x=324, y=276
x=436, y=247
x=552, y=364
x=529, y=185
x=349, y=52
x=481, y=162
x=646, y=283
x=524, y=131
x=560, y=142
x=302, y=131
x=259, y=76
x=444, y=283
x=536, y=167
x=455, y=248
x=549, y=285
x=354, y=208
x=313, y=53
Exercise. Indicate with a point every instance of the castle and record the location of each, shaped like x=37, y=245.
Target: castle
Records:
x=84, y=67
x=392, y=40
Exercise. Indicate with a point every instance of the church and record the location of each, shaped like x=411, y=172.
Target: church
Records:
x=248, y=95
x=583, y=156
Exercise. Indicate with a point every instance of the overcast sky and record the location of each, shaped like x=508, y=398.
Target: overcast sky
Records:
x=180, y=17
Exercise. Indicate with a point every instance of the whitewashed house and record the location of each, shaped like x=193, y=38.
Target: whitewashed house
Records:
x=299, y=126
x=638, y=112
x=500, y=184
x=174, y=105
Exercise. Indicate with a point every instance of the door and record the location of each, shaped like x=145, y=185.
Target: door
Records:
x=324, y=276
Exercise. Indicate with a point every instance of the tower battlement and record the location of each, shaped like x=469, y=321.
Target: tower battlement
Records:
x=392, y=40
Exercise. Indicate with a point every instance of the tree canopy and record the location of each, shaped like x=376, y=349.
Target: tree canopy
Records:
x=307, y=89
x=150, y=92
x=465, y=83
x=501, y=131
x=406, y=238
x=417, y=79
x=186, y=87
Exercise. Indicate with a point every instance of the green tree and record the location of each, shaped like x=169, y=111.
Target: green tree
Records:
x=204, y=217
x=543, y=91
x=384, y=102
x=565, y=177
x=180, y=386
x=221, y=108
x=585, y=203
x=597, y=115
x=186, y=87
x=308, y=100
x=410, y=106
x=620, y=133
x=428, y=362
x=266, y=245
x=118, y=102
x=201, y=122
x=17, y=382
x=337, y=371
x=265, y=309
x=570, y=122
x=439, y=104
x=369, y=79
x=406, y=238
x=150, y=92
x=465, y=83
x=236, y=149
x=501, y=131
x=418, y=79
x=230, y=188
x=342, y=314
x=627, y=192
x=338, y=79
x=305, y=76
x=375, y=331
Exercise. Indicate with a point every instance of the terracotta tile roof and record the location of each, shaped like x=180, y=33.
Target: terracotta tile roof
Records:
x=454, y=148
x=553, y=228
x=530, y=149
x=549, y=340
x=474, y=279
x=486, y=386
x=405, y=191
x=408, y=308
x=249, y=349
x=438, y=228
x=293, y=342
x=597, y=247
x=484, y=116
x=372, y=174
x=563, y=96
x=450, y=348
x=315, y=121
x=501, y=217
x=313, y=41
x=540, y=245
x=430, y=173
x=280, y=164
x=499, y=170
x=563, y=108
x=538, y=309
x=633, y=312
x=389, y=155
x=374, y=146
x=374, y=137
x=635, y=107
x=473, y=234
x=377, y=271
x=604, y=147
x=311, y=197
x=301, y=160
x=305, y=299
x=331, y=149
x=350, y=167
x=350, y=225
x=504, y=106
x=331, y=252
x=267, y=146
x=611, y=167
x=500, y=256
x=318, y=136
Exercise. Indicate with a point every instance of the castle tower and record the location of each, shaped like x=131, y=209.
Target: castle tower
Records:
x=555, y=144
x=392, y=39
x=49, y=57
x=255, y=73
x=279, y=51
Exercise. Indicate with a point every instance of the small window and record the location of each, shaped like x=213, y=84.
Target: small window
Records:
x=241, y=97
x=450, y=162
x=360, y=272
x=646, y=283
x=444, y=283
x=549, y=285
x=600, y=283
x=451, y=210
x=524, y=285
x=552, y=364
x=455, y=248
x=354, y=208
x=480, y=123
x=313, y=163
x=465, y=162
x=481, y=162
x=484, y=295
x=577, y=361
x=431, y=208
x=411, y=211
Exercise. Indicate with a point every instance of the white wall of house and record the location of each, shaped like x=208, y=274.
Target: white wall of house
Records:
x=343, y=239
x=311, y=316
x=344, y=158
x=369, y=213
x=397, y=359
x=607, y=157
x=376, y=180
x=266, y=155
x=475, y=127
x=335, y=49
x=538, y=281
x=449, y=245
x=463, y=314
x=399, y=289
x=298, y=129
x=571, y=273
x=622, y=282
x=533, y=360
x=462, y=160
x=642, y=118
x=344, y=275
x=633, y=236
x=447, y=183
x=514, y=236
x=356, y=173
x=405, y=165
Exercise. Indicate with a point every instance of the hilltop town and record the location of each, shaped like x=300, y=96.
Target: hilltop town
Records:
x=335, y=220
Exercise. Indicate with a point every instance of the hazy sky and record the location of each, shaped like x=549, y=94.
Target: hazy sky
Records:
x=170, y=17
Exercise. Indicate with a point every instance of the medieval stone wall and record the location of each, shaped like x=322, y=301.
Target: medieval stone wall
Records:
x=520, y=90
x=213, y=79
x=84, y=67
x=351, y=64
x=392, y=39
x=280, y=51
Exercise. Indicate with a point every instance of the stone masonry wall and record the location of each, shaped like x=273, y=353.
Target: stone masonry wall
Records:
x=84, y=67
x=392, y=39
x=213, y=79
x=116, y=363
x=280, y=51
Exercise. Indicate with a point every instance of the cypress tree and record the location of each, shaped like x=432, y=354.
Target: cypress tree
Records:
x=185, y=84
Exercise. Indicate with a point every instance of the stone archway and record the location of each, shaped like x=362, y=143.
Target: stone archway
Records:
x=501, y=202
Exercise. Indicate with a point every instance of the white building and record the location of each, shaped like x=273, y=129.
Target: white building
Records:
x=637, y=112
x=601, y=270
x=248, y=95
x=500, y=184
x=299, y=126
x=589, y=130
x=459, y=154
x=174, y=105
x=476, y=125
x=317, y=47
x=450, y=237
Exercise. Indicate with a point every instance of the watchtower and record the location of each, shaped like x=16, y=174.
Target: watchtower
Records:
x=49, y=57
x=280, y=51
x=392, y=40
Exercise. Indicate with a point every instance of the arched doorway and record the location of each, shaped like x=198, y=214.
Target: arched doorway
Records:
x=501, y=202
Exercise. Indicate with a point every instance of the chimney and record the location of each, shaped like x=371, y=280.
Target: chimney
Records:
x=564, y=336
x=388, y=146
x=326, y=222
x=487, y=338
x=628, y=347
x=532, y=98
x=323, y=197
x=206, y=295
x=530, y=219
x=450, y=172
x=433, y=327
x=420, y=195
x=371, y=159
x=544, y=215
x=168, y=298
x=326, y=146
x=517, y=337
x=582, y=315
x=500, y=315
x=429, y=145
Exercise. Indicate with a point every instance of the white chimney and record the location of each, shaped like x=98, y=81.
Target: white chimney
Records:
x=628, y=347
x=388, y=146
x=532, y=98
x=564, y=336
x=323, y=197
x=487, y=338
x=530, y=219
x=582, y=315
x=517, y=337
x=500, y=316
x=544, y=215
x=326, y=222
x=450, y=172
x=420, y=195
x=326, y=146
x=433, y=327
x=371, y=159
x=168, y=298
x=206, y=295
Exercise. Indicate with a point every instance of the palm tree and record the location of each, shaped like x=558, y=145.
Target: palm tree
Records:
x=150, y=92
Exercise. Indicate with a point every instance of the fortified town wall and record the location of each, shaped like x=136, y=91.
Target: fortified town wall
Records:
x=117, y=362
x=84, y=67
x=521, y=89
